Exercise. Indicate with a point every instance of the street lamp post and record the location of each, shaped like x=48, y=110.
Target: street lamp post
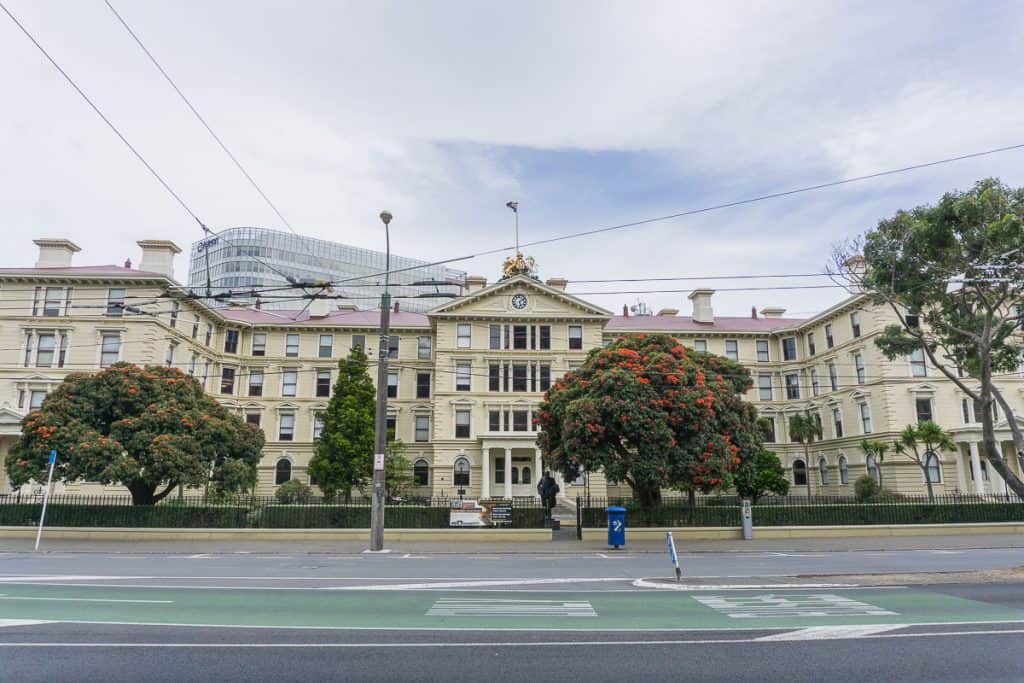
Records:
x=380, y=430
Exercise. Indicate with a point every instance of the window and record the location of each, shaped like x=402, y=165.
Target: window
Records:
x=966, y=405
x=227, y=381
x=28, y=349
x=844, y=471
x=545, y=376
x=545, y=339
x=764, y=387
x=423, y=348
x=768, y=429
x=823, y=471
x=115, y=302
x=51, y=303
x=732, y=349
x=519, y=336
x=917, y=364
x=526, y=476
x=789, y=348
x=231, y=341
x=392, y=385
x=422, y=428
x=575, y=337
x=62, y=349
x=393, y=346
x=923, y=406
x=855, y=323
x=461, y=424
x=520, y=420
x=35, y=399
x=494, y=377
x=169, y=355
x=291, y=345
x=829, y=339
x=195, y=327
x=255, y=382
x=286, y=427
x=421, y=473
x=792, y=386
x=289, y=382
x=209, y=333
x=460, y=473
x=45, y=352
x=463, y=336
x=519, y=377
x=192, y=364
x=762, y=351
x=700, y=345
x=494, y=421
x=933, y=469
x=872, y=467
x=175, y=309
x=326, y=346
x=390, y=424
x=815, y=384
x=858, y=364
x=463, y=375
x=37, y=300
x=282, y=471
x=318, y=424
x=837, y=422
x=833, y=376
x=259, y=344
x=865, y=418
x=358, y=342
x=423, y=385
x=323, y=383
x=799, y=473
x=811, y=350
x=253, y=418
x=495, y=336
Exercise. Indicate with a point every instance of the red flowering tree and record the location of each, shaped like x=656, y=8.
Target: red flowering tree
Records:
x=149, y=429
x=646, y=411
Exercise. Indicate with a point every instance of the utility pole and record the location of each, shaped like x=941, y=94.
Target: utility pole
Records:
x=380, y=429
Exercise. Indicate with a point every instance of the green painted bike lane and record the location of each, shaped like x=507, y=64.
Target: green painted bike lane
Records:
x=498, y=610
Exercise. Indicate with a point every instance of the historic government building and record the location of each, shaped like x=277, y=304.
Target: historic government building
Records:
x=466, y=376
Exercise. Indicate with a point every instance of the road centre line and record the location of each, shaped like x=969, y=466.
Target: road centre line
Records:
x=472, y=584
x=19, y=598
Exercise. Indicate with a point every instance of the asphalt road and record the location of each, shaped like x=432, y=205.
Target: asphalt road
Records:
x=599, y=617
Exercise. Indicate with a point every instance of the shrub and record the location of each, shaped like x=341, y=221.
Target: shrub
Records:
x=293, y=491
x=865, y=489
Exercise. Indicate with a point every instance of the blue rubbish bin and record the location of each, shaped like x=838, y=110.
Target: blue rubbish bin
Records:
x=616, y=525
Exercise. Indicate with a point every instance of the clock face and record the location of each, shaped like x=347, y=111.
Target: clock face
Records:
x=519, y=301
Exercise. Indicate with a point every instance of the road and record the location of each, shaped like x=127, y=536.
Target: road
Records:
x=603, y=616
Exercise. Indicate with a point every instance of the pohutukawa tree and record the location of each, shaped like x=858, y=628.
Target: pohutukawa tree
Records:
x=150, y=429
x=649, y=412
x=952, y=274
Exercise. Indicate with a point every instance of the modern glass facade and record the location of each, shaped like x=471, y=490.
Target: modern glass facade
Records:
x=240, y=260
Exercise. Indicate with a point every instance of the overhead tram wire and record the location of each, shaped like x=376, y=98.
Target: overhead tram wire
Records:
x=199, y=116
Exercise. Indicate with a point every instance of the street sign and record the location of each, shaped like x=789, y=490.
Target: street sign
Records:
x=672, y=554
x=46, y=497
x=378, y=461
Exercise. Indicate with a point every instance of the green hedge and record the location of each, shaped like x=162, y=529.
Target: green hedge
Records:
x=680, y=514
x=161, y=516
x=886, y=513
x=348, y=517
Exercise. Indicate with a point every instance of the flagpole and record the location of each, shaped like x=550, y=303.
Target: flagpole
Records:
x=46, y=497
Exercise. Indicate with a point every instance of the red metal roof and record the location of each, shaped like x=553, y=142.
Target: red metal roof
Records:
x=82, y=270
x=685, y=323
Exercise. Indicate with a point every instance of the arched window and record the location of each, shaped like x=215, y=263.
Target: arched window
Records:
x=515, y=475
x=461, y=477
x=421, y=473
x=823, y=471
x=872, y=468
x=526, y=475
x=844, y=471
x=933, y=467
x=799, y=473
x=283, y=471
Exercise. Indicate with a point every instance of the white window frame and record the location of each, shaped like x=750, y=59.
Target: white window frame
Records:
x=815, y=382
x=329, y=346
x=763, y=345
x=762, y=387
x=289, y=378
x=424, y=347
x=288, y=346
x=866, y=426
x=463, y=371
x=421, y=425
x=844, y=470
x=918, y=363
x=259, y=344
x=860, y=368
x=733, y=354
x=463, y=336
x=700, y=345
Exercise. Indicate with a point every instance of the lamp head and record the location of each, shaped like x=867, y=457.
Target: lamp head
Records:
x=386, y=217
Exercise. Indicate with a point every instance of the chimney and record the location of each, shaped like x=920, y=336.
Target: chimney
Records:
x=55, y=253
x=128, y=263
x=668, y=312
x=474, y=283
x=396, y=307
x=702, y=311
x=158, y=256
x=558, y=283
x=772, y=312
x=625, y=311
x=753, y=312
x=347, y=307
x=259, y=304
x=319, y=308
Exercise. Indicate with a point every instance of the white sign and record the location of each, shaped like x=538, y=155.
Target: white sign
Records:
x=807, y=605
x=378, y=462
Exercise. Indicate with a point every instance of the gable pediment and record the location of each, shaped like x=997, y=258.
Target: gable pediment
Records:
x=537, y=299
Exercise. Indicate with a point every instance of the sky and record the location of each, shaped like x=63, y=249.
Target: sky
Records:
x=589, y=114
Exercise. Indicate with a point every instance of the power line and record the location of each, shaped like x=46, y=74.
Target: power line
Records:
x=102, y=116
x=192, y=108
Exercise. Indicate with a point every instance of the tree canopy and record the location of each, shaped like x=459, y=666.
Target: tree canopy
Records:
x=952, y=275
x=143, y=427
x=921, y=444
x=760, y=475
x=343, y=458
x=649, y=412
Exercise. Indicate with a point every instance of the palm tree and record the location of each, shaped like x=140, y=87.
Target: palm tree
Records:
x=805, y=429
x=876, y=449
x=921, y=444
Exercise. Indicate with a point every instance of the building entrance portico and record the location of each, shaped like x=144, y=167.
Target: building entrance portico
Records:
x=510, y=468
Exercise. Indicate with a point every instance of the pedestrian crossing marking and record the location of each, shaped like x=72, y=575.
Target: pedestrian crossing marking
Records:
x=774, y=606
x=487, y=607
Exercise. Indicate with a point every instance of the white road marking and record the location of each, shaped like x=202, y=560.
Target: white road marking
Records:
x=455, y=607
x=832, y=632
x=200, y=556
x=774, y=606
x=21, y=622
x=643, y=583
x=19, y=598
x=470, y=584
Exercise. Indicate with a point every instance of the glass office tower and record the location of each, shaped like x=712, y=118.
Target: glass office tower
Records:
x=242, y=263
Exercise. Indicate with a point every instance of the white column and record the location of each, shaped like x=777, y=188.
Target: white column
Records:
x=485, y=473
x=538, y=470
x=961, y=479
x=508, y=472
x=979, y=485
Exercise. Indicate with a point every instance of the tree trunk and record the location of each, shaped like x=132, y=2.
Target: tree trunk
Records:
x=993, y=453
x=928, y=482
x=647, y=496
x=142, y=494
x=807, y=469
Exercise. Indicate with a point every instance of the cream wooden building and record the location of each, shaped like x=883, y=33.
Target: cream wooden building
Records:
x=466, y=377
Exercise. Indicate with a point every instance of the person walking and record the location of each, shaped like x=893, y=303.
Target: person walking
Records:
x=549, y=489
